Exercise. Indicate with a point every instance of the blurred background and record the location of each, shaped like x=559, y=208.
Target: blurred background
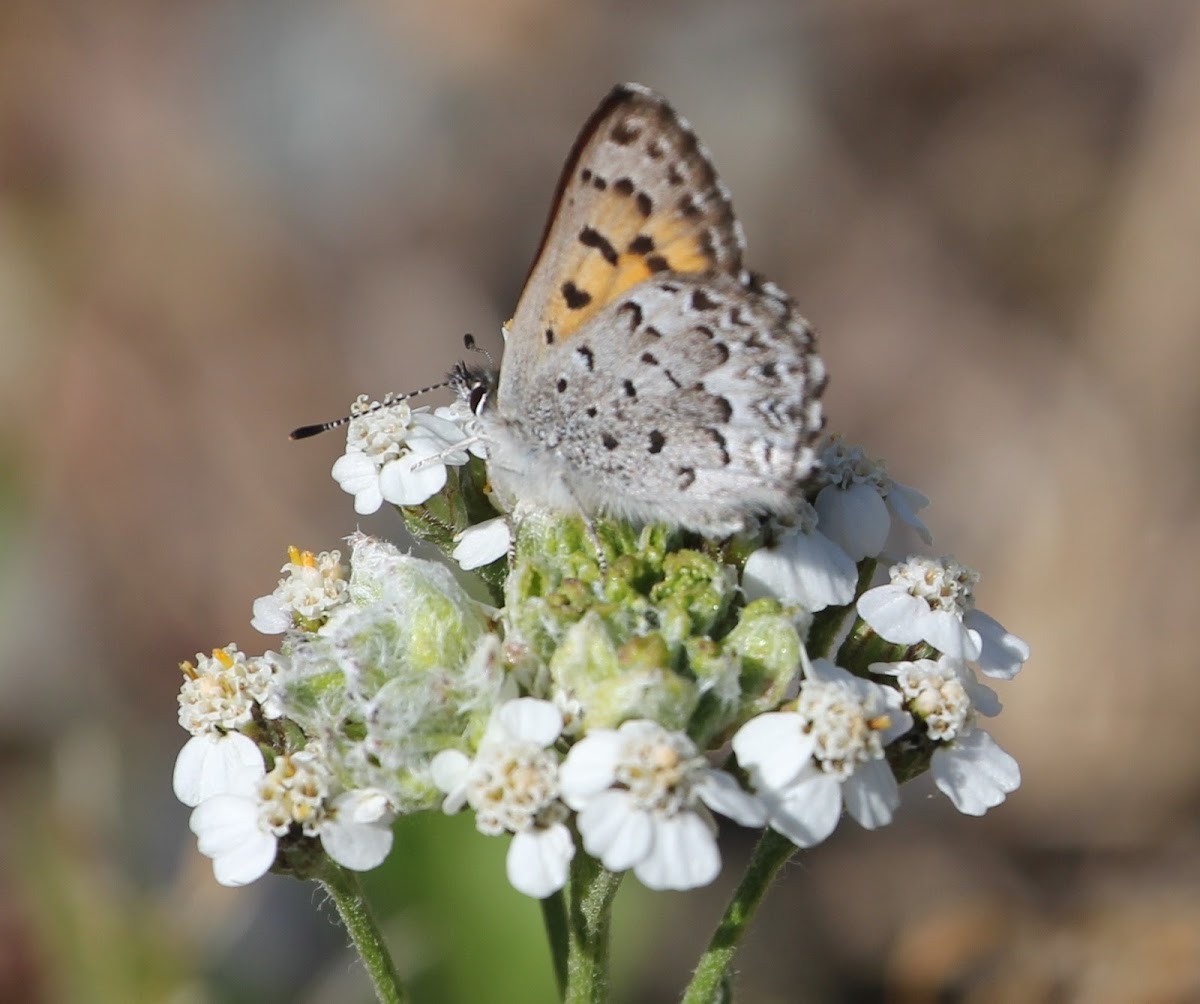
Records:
x=221, y=220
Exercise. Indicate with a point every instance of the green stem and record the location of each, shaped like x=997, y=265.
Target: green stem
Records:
x=554, y=917
x=708, y=981
x=592, y=891
x=346, y=892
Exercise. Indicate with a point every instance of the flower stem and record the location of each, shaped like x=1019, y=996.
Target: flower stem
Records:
x=592, y=891
x=708, y=981
x=554, y=917
x=346, y=892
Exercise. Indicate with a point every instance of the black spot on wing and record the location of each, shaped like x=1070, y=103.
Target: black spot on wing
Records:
x=561, y=385
x=645, y=204
x=625, y=132
x=720, y=443
x=610, y=441
x=702, y=301
x=630, y=389
x=587, y=357
x=641, y=244
x=576, y=298
x=634, y=312
x=687, y=477
x=657, y=441
x=657, y=263
x=592, y=238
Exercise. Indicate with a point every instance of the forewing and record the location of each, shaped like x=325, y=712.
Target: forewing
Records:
x=638, y=195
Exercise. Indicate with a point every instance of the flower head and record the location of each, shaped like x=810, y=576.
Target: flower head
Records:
x=312, y=585
x=643, y=796
x=967, y=764
x=805, y=763
x=221, y=692
x=241, y=829
x=858, y=495
x=932, y=600
x=396, y=454
x=512, y=786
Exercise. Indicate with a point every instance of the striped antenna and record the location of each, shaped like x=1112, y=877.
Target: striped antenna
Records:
x=305, y=431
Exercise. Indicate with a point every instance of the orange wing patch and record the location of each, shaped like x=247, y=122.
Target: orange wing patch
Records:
x=627, y=241
x=638, y=195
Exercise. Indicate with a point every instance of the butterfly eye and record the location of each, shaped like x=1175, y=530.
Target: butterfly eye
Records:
x=478, y=397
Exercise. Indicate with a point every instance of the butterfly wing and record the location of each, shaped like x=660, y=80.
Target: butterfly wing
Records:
x=703, y=411
x=638, y=196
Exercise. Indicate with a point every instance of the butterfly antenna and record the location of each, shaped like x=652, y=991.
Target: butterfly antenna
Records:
x=306, y=431
x=473, y=346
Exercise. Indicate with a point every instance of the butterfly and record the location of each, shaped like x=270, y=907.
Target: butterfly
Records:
x=646, y=374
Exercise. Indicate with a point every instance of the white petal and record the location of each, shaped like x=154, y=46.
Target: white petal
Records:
x=807, y=812
x=448, y=771
x=894, y=613
x=270, y=615
x=538, y=860
x=415, y=477
x=684, y=855
x=357, y=475
x=589, y=766
x=208, y=765
x=871, y=794
x=446, y=431
x=721, y=793
x=904, y=503
x=774, y=748
x=946, y=632
x=1003, y=653
x=827, y=671
x=358, y=834
x=248, y=863
x=482, y=544
x=974, y=772
x=808, y=569
x=531, y=719
x=854, y=518
x=227, y=830
x=614, y=831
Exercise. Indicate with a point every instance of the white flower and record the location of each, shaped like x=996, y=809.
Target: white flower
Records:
x=967, y=765
x=855, y=502
x=220, y=692
x=643, y=796
x=240, y=830
x=312, y=585
x=805, y=763
x=482, y=543
x=397, y=455
x=512, y=785
x=933, y=600
x=803, y=566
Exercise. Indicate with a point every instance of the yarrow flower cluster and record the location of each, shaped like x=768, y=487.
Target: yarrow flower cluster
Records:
x=622, y=689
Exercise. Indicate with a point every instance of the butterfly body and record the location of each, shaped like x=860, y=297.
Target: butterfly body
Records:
x=646, y=374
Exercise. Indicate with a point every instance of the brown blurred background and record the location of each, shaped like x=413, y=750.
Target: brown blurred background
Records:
x=220, y=220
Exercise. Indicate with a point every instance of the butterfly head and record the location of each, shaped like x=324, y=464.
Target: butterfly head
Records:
x=474, y=385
